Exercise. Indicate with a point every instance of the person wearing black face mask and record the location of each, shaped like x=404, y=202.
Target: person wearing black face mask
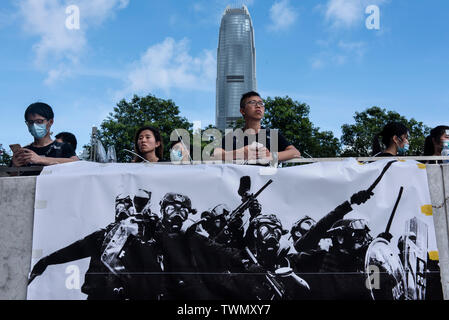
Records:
x=39, y=118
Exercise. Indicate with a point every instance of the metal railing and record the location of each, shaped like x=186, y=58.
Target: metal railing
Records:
x=17, y=171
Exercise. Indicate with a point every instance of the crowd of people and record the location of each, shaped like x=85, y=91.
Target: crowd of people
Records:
x=258, y=143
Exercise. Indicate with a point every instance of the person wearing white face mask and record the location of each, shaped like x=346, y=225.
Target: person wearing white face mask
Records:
x=395, y=139
x=435, y=141
x=39, y=118
x=179, y=152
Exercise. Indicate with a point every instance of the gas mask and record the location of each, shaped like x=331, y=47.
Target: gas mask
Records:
x=123, y=207
x=267, y=240
x=350, y=235
x=174, y=216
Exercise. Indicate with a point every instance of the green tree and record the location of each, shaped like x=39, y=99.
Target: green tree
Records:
x=357, y=138
x=292, y=119
x=120, y=127
x=5, y=158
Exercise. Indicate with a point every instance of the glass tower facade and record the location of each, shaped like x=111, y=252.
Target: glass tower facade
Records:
x=236, y=64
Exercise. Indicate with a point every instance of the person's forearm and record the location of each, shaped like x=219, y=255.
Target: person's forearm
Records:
x=288, y=154
x=229, y=155
x=47, y=161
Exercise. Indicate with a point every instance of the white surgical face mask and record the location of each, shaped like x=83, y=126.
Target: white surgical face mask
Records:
x=175, y=155
x=38, y=130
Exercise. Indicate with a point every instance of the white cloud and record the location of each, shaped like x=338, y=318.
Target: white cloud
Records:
x=168, y=65
x=282, y=16
x=338, y=54
x=348, y=13
x=58, y=45
x=357, y=48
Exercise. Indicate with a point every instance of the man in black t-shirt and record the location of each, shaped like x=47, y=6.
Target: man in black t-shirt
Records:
x=43, y=151
x=254, y=141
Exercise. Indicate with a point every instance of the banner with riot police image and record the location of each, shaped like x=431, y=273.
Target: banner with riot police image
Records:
x=329, y=230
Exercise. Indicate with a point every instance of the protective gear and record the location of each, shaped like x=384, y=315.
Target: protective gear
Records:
x=176, y=155
x=175, y=209
x=300, y=227
x=123, y=207
x=255, y=208
x=141, y=199
x=385, y=272
x=445, y=143
x=265, y=232
x=350, y=234
x=38, y=130
x=183, y=200
x=215, y=218
x=403, y=150
x=361, y=197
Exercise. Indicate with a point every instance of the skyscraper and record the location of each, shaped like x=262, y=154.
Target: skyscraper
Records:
x=236, y=64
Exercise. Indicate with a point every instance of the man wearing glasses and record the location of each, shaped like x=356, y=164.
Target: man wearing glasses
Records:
x=255, y=142
x=43, y=151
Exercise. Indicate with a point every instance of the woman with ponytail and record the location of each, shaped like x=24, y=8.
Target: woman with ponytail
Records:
x=434, y=142
x=394, y=138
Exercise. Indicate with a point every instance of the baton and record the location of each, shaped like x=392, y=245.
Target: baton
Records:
x=387, y=166
x=387, y=230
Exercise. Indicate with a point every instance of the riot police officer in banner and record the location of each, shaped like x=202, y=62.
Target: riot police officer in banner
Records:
x=344, y=264
x=273, y=274
x=181, y=280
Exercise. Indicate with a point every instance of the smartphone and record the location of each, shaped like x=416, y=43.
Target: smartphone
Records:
x=15, y=147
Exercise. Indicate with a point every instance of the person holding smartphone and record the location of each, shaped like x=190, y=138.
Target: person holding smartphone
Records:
x=39, y=118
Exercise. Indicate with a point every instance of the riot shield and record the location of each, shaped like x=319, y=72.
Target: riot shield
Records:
x=385, y=276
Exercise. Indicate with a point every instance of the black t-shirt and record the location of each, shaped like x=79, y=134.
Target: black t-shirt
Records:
x=283, y=143
x=54, y=150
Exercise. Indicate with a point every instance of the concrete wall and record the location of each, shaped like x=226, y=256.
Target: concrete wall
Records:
x=16, y=235
x=438, y=177
x=16, y=229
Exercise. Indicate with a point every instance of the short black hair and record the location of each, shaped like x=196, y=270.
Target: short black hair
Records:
x=67, y=137
x=246, y=96
x=41, y=109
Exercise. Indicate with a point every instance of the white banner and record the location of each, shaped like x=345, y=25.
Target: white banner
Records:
x=78, y=229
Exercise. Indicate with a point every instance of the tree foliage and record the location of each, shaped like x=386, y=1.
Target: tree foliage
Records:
x=357, y=138
x=5, y=158
x=120, y=127
x=292, y=119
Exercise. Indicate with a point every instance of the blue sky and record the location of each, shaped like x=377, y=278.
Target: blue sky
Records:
x=317, y=52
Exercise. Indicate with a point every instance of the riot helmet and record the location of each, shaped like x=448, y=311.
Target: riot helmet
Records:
x=123, y=207
x=301, y=226
x=141, y=200
x=265, y=232
x=215, y=218
x=175, y=209
x=350, y=234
